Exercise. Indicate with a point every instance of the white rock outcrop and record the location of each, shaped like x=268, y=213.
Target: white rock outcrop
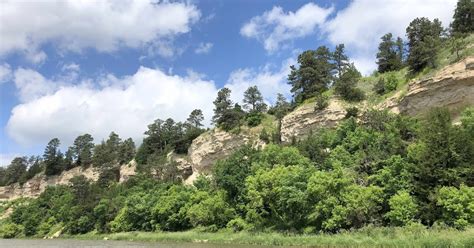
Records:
x=302, y=120
x=452, y=87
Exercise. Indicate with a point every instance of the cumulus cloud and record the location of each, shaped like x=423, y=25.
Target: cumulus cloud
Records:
x=5, y=73
x=104, y=25
x=275, y=27
x=204, y=48
x=64, y=108
x=361, y=24
x=125, y=105
x=270, y=82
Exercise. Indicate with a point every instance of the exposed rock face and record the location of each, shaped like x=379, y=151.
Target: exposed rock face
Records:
x=305, y=118
x=452, y=87
x=35, y=186
x=212, y=146
x=128, y=170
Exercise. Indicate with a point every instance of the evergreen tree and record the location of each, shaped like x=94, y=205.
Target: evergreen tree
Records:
x=195, y=118
x=222, y=105
x=253, y=100
x=282, y=107
x=341, y=60
x=69, y=159
x=314, y=74
x=16, y=170
x=463, y=19
x=53, y=158
x=126, y=151
x=423, y=42
x=390, y=54
x=82, y=149
x=346, y=85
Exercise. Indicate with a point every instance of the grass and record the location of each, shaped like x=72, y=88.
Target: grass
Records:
x=416, y=236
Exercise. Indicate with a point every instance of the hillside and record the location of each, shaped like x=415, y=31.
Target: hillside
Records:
x=451, y=86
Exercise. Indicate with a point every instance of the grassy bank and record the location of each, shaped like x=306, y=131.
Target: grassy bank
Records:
x=367, y=237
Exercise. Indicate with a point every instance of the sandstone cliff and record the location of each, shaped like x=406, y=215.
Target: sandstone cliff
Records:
x=35, y=186
x=216, y=144
x=452, y=87
x=305, y=118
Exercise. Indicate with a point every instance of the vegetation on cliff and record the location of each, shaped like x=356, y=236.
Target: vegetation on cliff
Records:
x=374, y=169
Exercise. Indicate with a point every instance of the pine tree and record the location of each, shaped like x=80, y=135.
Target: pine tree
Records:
x=390, y=54
x=222, y=105
x=282, y=107
x=126, y=151
x=195, y=118
x=314, y=74
x=82, y=149
x=463, y=19
x=53, y=158
x=341, y=60
x=346, y=85
x=253, y=100
x=423, y=42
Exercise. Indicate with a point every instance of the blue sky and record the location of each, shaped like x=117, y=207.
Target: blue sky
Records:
x=71, y=67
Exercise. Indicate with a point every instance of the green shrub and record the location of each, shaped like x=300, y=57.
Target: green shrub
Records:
x=238, y=224
x=351, y=112
x=264, y=136
x=457, y=205
x=403, y=209
x=254, y=119
x=11, y=230
x=322, y=102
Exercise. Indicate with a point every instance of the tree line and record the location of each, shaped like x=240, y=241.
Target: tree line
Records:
x=381, y=170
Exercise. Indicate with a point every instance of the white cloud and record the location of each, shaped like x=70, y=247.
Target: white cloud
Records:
x=204, y=48
x=275, y=27
x=71, y=67
x=102, y=25
x=360, y=25
x=125, y=105
x=32, y=85
x=64, y=108
x=5, y=73
x=6, y=159
x=268, y=81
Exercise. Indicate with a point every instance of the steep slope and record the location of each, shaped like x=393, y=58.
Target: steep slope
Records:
x=452, y=87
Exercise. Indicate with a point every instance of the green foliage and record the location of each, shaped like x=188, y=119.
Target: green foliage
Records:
x=322, y=102
x=10, y=230
x=345, y=85
x=463, y=17
x=277, y=197
x=253, y=100
x=403, y=209
x=53, y=158
x=457, y=205
x=390, y=54
x=339, y=203
x=230, y=174
x=254, y=119
x=264, y=136
x=169, y=213
x=423, y=42
x=136, y=214
x=210, y=210
x=351, y=112
x=314, y=74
